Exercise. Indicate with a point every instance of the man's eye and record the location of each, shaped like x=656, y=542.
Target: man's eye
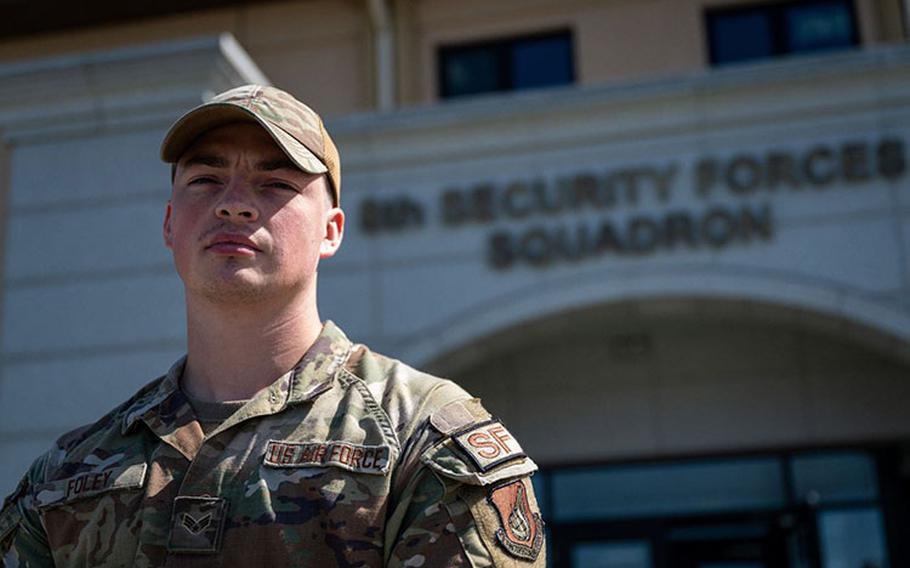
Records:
x=203, y=180
x=281, y=185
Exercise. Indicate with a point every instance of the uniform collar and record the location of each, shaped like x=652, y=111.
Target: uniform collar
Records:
x=315, y=371
x=310, y=377
x=166, y=389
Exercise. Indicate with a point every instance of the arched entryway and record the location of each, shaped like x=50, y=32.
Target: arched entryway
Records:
x=679, y=432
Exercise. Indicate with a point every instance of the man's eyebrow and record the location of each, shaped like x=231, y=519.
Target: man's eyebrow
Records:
x=279, y=164
x=206, y=160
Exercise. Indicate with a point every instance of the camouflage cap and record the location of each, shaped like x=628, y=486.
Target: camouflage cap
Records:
x=294, y=126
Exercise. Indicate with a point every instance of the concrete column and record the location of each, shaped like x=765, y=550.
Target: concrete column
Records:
x=383, y=55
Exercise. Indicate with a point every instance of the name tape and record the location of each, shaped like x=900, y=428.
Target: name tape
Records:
x=89, y=484
x=352, y=457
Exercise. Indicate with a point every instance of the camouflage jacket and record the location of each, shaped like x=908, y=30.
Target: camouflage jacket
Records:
x=350, y=459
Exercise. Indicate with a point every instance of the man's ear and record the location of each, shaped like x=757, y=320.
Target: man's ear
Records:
x=334, y=231
x=166, y=229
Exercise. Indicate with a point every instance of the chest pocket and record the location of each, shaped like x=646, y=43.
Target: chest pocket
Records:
x=319, y=483
x=89, y=516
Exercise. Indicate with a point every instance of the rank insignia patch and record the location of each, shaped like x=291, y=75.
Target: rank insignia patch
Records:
x=197, y=524
x=521, y=529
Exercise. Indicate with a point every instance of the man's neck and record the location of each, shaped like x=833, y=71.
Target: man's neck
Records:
x=236, y=350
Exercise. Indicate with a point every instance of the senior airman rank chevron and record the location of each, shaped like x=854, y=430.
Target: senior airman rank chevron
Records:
x=489, y=444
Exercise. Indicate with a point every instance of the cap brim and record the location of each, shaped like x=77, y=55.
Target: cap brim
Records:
x=200, y=120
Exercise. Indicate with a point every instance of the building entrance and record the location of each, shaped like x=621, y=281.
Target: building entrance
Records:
x=732, y=545
x=806, y=509
x=744, y=543
x=705, y=433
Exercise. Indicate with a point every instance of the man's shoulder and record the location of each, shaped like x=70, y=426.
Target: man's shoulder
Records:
x=398, y=384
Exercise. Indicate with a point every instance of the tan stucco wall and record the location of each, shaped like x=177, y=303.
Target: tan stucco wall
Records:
x=321, y=49
x=317, y=49
x=615, y=40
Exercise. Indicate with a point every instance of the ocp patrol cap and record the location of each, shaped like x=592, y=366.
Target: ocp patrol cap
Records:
x=294, y=126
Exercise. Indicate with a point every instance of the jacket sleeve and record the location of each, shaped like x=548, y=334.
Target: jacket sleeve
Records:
x=468, y=501
x=23, y=540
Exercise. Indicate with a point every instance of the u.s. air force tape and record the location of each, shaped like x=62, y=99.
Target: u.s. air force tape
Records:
x=353, y=457
x=488, y=444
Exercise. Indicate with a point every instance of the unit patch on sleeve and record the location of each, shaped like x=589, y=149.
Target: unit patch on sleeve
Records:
x=352, y=457
x=489, y=444
x=521, y=530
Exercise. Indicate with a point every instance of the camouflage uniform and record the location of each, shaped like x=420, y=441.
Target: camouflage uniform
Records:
x=350, y=459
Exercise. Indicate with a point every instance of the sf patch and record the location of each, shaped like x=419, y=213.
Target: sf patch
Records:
x=488, y=444
x=521, y=529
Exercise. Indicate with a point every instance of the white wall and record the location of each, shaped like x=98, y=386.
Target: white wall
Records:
x=423, y=292
x=666, y=378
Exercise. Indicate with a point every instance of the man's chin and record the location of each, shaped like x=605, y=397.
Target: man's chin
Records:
x=234, y=290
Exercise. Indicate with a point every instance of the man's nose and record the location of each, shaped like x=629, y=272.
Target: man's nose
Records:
x=236, y=204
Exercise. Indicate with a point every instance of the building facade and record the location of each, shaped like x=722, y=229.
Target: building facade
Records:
x=667, y=242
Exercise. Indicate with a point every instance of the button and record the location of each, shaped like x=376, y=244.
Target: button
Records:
x=197, y=524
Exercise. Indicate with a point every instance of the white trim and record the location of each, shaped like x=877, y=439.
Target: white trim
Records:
x=383, y=55
x=691, y=102
x=429, y=344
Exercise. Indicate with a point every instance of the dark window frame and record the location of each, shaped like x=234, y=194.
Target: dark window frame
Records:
x=502, y=48
x=562, y=535
x=776, y=12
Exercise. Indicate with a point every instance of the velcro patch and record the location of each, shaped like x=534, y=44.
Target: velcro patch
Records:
x=457, y=415
x=89, y=484
x=508, y=522
x=489, y=444
x=352, y=457
x=521, y=529
x=197, y=524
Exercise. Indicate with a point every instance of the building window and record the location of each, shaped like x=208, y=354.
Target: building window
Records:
x=506, y=65
x=760, y=32
x=821, y=508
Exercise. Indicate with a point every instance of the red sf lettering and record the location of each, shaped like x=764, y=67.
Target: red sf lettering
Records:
x=501, y=435
x=486, y=447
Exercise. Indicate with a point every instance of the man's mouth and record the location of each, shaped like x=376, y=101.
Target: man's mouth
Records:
x=232, y=244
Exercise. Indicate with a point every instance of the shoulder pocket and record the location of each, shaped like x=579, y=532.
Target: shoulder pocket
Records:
x=88, y=484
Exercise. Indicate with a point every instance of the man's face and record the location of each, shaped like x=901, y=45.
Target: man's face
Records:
x=244, y=223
